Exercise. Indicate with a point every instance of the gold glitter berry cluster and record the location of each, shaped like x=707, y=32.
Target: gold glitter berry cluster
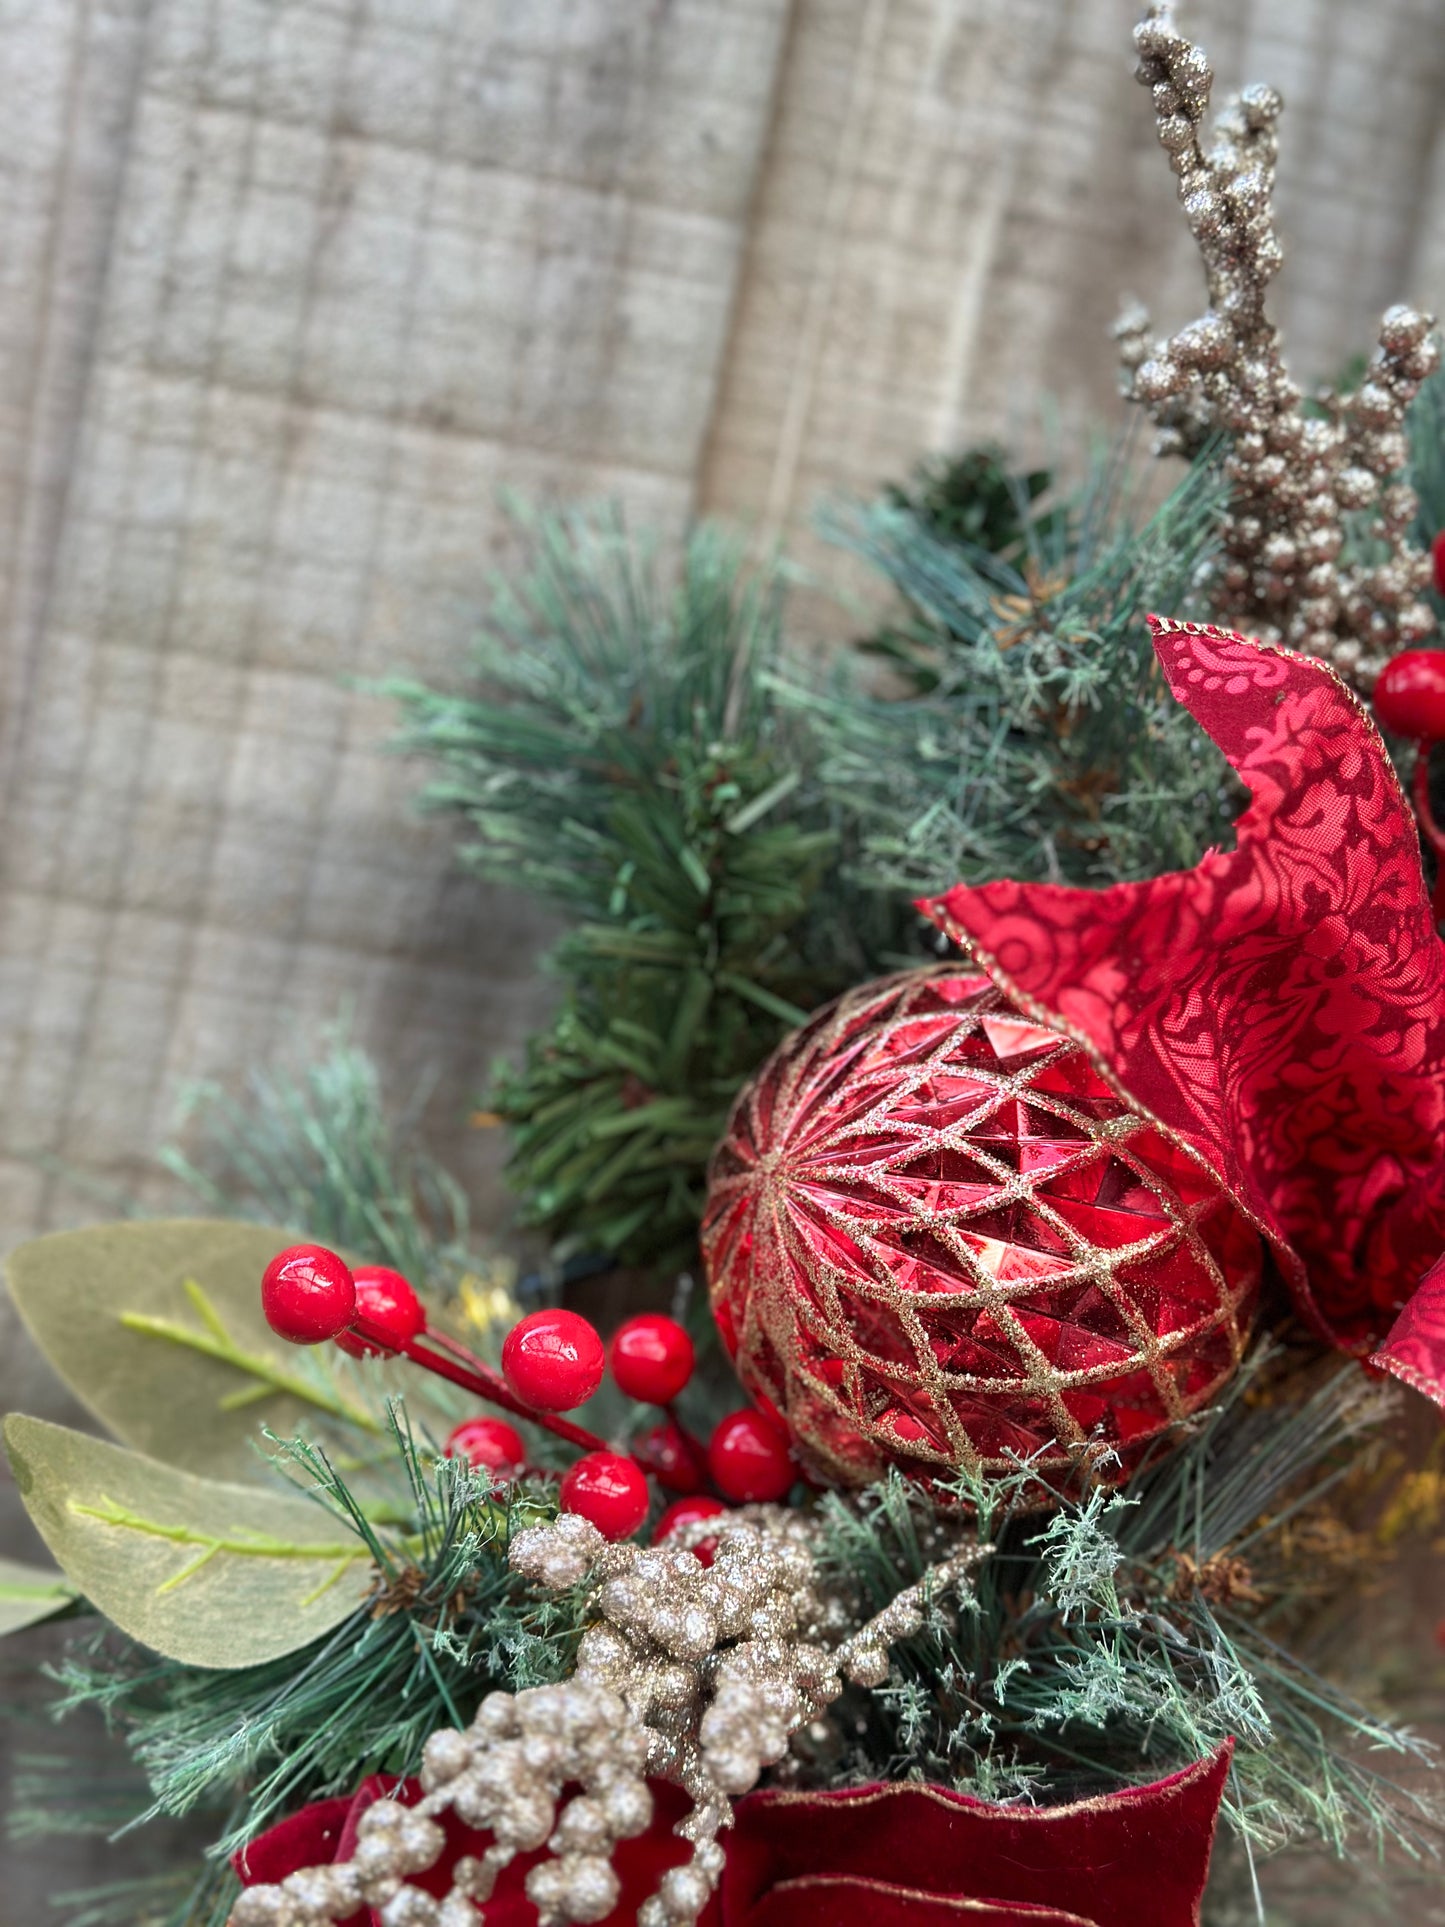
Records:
x=695, y=1674
x=1288, y=573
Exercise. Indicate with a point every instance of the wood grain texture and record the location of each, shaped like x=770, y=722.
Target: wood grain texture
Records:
x=369, y=264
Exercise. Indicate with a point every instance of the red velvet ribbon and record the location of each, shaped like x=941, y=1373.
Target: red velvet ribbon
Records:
x=913, y=1855
x=1280, y=1008
x=903, y=1855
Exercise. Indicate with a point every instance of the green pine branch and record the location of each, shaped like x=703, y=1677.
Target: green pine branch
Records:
x=976, y=499
x=321, y=1149
x=1039, y=740
x=448, y=1622
x=1094, y=1655
x=622, y=756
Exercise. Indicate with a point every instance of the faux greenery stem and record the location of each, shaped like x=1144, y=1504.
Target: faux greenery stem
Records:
x=257, y=1546
x=217, y=1342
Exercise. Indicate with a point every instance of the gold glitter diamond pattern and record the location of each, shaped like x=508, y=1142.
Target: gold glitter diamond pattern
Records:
x=936, y=1237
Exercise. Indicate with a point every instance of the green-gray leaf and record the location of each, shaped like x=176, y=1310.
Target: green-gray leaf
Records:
x=30, y=1593
x=156, y=1326
x=211, y=1574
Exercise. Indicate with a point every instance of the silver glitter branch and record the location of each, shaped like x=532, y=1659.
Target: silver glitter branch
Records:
x=696, y=1674
x=1318, y=547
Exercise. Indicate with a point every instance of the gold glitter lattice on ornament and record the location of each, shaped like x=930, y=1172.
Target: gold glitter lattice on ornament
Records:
x=936, y=1237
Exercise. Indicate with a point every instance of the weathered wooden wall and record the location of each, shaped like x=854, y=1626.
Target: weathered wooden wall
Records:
x=290, y=288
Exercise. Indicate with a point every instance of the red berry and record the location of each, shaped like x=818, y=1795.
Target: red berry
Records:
x=673, y=1457
x=749, y=1458
x=488, y=1445
x=651, y=1358
x=685, y=1512
x=388, y=1309
x=307, y=1294
x=1437, y=562
x=553, y=1360
x=1410, y=695
x=609, y=1490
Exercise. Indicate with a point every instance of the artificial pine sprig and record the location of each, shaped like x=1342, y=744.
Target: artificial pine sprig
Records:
x=1041, y=741
x=319, y=1147
x=624, y=758
x=978, y=499
x=733, y=845
x=1125, y=1635
x=446, y=1622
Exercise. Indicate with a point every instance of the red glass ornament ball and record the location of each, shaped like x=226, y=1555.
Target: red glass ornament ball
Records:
x=1410, y=695
x=388, y=1308
x=1437, y=562
x=749, y=1458
x=307, y=1294
x=651, y=1358
x=686, y=1512
x=674, y=1458
x=554, y=1360
x=937, y=1238
x=608, y=1490
x=488, y=1445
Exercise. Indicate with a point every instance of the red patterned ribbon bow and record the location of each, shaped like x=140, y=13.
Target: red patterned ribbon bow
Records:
x=1280, y=1007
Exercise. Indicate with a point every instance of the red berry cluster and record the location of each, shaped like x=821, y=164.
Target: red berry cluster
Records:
x=552, y=1361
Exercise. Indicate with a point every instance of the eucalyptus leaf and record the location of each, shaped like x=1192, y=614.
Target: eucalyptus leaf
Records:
x=204, y=1572
x=29, y=1594
x=156, y=1326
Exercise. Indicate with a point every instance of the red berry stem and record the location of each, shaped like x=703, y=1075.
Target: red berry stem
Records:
x=463, y=1357
x=464, y=1368
x=501, y=1393
x=1434, y=835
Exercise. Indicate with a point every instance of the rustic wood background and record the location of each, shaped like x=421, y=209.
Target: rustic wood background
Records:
x=289, y=289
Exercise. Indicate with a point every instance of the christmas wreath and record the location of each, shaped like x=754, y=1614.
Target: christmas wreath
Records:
x=1034, y=1288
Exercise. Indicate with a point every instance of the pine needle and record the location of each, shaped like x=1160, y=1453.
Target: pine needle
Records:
x=1123, y=1636
x=1040, y=740
x=622, y=756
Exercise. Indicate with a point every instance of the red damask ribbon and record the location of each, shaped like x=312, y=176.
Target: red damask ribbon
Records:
x=1281, y=1006
x=904, y=1855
